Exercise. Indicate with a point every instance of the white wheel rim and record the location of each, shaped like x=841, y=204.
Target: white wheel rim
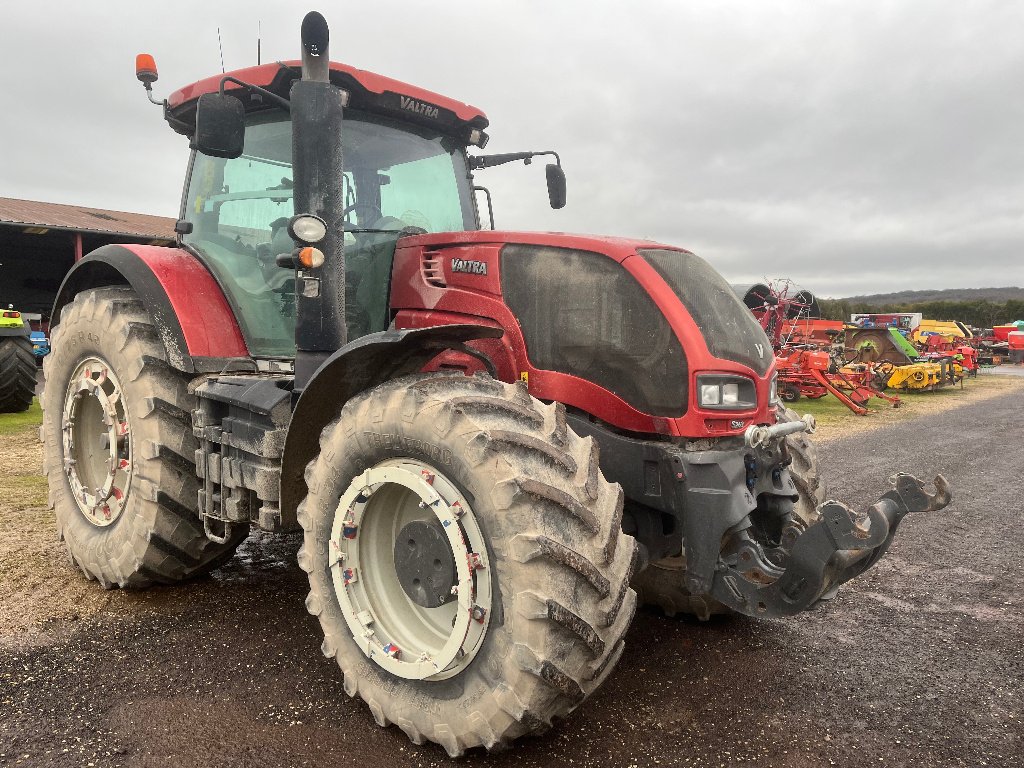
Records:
x=97, y=442
x=407, y=639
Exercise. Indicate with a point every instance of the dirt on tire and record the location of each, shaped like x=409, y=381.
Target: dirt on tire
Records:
x=158, y=537
x=558, y=555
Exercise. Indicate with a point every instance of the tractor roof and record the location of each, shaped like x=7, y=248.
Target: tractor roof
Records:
x=368, y=91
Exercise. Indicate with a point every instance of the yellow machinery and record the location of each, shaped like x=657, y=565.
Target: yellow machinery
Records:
x=923, y=376
x=951, y=332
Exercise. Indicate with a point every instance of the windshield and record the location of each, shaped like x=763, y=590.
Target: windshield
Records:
x=729, y=328
x=395, y=176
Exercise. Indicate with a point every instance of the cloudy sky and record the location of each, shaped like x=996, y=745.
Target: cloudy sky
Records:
x=855, y=147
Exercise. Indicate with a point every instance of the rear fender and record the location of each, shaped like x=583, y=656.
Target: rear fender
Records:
x=188, y=307
x=357, y=367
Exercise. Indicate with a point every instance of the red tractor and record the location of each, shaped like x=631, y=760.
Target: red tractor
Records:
x=491, y=440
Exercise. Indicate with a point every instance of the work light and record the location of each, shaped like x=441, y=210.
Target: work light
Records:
x=307, y=228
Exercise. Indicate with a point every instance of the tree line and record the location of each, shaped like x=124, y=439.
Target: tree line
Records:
x=980, y=314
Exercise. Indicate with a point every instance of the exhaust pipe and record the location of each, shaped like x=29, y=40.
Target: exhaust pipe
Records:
x=317, y=109
x=316, y=62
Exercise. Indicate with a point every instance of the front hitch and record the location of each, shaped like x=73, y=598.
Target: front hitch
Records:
x=841, y=545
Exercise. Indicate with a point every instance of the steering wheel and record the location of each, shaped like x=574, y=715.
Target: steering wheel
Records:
x=362, y=207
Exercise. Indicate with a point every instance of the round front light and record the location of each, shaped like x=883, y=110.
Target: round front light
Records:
x=307, y=228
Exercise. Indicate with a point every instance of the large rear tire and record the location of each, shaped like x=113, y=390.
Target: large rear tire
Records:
x=550, y=597
x=119, y=453
x=17, y=374
x=661, y=584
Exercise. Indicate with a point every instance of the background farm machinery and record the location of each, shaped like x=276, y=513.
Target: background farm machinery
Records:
x=938, y=356
x=810, y=351
x=1000, y=343
x=859, y=360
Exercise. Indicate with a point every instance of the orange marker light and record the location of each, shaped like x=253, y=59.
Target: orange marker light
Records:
x=145, y=68
x=311, y=257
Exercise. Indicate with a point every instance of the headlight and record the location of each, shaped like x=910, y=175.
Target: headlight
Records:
x=307, y=228
x=733, y=393
x=773, y=391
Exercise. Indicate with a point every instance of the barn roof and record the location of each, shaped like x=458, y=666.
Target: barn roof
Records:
x=33, y=214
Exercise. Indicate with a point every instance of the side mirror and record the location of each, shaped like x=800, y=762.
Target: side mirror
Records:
x=220, y=126
x=556, y=185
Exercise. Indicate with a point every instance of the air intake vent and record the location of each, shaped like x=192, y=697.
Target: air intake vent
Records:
x=432, y=270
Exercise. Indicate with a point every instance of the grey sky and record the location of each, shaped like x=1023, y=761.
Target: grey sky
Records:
x=855, y=147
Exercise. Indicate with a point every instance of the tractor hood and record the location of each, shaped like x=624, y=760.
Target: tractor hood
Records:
x=643, y=325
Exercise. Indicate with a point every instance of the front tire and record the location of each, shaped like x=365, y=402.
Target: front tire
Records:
x=547, y=535
x=804, y=470
x=119, y=453
x=17, y=374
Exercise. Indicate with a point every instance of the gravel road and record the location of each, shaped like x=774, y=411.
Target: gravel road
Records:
x=920, y=663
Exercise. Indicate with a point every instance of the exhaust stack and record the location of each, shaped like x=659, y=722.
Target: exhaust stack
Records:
x=317, y=109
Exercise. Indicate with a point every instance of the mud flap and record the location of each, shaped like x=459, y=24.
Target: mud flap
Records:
x=840, y=546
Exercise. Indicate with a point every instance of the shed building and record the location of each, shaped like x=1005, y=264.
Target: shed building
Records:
x=39, y=243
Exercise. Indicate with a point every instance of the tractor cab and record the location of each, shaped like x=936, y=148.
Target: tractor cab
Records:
x=398, y=178
x=405, y=170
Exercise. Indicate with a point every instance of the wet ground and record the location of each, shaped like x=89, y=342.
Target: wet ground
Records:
x=1004, y=370
x=921, y=663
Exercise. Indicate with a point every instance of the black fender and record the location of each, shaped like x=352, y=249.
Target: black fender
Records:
x=356, y=367
x=19, y=331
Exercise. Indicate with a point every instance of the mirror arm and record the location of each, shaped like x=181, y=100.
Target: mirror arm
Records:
x=480, y=162
x=558, y=160
x=281, y=102
x=490, y=207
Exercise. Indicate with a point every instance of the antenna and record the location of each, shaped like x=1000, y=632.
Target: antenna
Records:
x=221, y=46
x=259, y=40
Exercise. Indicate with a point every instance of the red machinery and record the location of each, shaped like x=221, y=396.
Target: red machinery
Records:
x=799, y=338
x=806, y=372
x=1015, y=343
